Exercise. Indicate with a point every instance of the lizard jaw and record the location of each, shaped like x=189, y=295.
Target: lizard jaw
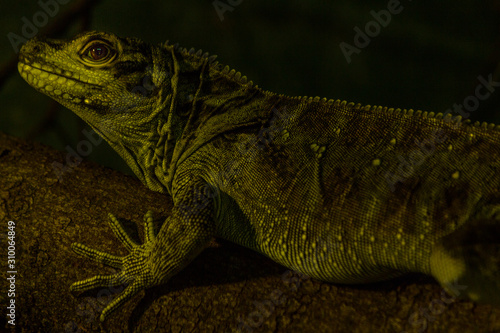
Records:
x=61, y=85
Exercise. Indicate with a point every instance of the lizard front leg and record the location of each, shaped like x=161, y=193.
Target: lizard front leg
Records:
x=181, y=238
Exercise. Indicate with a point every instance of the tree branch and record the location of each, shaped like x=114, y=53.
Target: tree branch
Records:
x=226, y=289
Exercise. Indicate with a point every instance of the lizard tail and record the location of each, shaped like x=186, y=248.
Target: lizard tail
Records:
x=467, y=262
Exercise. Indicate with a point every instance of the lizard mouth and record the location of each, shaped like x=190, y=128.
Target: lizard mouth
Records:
x=59, y=84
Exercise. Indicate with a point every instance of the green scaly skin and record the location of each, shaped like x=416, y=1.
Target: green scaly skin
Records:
x=341, y=192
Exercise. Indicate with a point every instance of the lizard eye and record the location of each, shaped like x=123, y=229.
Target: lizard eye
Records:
x=98, y=52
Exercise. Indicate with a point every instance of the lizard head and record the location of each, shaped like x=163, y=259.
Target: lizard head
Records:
x=106, y=80
x=119, y=86
x=148, y=102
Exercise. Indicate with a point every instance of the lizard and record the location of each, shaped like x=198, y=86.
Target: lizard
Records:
x=342, y=192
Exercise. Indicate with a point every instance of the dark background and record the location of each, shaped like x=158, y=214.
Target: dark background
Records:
x=428, y=57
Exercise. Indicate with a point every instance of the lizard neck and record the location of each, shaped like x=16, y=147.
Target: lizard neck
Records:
x=208, y=100
x=138, y=132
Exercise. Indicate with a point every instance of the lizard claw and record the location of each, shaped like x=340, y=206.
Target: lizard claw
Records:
x=133, y=267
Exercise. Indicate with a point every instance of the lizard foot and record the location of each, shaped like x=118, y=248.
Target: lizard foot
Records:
x=134, y=268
